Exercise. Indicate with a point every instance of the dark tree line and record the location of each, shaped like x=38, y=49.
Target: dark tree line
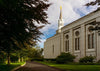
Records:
x=17, y=23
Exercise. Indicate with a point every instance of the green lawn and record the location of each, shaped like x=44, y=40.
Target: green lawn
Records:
x=74, y=67
x=5, y=67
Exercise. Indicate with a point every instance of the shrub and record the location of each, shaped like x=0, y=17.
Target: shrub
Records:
x=65, y=58
x=87, y=59
x=36, y=59
x=13, y=58
x=50, y=59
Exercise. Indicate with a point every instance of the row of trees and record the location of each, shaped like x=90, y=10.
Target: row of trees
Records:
x=17, y=24
x=22, y=55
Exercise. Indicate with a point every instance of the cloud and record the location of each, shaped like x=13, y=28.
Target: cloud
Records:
x=69, y=8
x=72, y=10
x=41, y=43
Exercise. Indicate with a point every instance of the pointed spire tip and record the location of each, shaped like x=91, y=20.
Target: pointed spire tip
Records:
x=60, y=7
x=60, y=17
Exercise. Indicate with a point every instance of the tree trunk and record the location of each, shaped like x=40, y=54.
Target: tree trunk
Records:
x=8, y=58
x=22, y=59
x=19, y=59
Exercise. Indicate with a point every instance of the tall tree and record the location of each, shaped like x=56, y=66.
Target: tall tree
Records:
x=17, y=23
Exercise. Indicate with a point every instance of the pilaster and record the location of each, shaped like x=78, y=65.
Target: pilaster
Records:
x=71, y=42
x=62, y=42
x=82, y=41
x=98, y=42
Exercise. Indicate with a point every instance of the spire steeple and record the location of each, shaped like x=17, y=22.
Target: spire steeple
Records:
x=60, y=17
x=60, y=21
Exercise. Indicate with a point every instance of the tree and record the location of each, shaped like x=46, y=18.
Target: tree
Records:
x=17, y=23
x=93, y=3
x=2, y=57
x=35, y=53
x=27, y=54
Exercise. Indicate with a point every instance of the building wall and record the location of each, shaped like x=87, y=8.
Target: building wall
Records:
x=98, y=40
x=52, y=47
x=81, y=26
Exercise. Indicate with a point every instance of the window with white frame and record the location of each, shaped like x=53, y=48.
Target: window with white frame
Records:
x=91, y=38
x=77, y=40
x=66, y=43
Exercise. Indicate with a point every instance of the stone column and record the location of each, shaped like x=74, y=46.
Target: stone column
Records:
x=82, y=41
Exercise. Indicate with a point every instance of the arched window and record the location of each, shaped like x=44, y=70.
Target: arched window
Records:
x=77, y=40
x=67, y=43
x=90, y=38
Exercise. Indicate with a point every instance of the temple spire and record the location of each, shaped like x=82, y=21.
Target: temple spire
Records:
x=60, y=17
x=60, y=21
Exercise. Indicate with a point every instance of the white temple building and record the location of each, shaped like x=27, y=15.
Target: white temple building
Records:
x=76, y=38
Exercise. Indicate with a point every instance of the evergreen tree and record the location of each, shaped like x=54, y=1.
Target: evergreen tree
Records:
x=17, y=23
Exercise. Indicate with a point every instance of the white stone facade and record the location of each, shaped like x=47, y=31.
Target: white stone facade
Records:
x=76, y=38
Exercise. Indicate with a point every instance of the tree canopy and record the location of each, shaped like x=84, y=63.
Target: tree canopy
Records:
x=17, y=22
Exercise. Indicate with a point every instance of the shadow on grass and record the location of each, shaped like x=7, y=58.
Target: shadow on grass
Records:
x=5, y=67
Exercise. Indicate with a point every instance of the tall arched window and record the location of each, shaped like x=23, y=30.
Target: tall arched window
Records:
x=67, y=43
x=77, y=41
x=91, y=38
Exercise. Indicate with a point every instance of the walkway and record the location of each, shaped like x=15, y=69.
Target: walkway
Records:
x=34, y=66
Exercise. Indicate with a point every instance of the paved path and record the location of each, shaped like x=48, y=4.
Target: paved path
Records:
x=34, y=66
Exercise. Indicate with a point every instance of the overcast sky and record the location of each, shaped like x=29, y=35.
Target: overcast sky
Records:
x=71, y=9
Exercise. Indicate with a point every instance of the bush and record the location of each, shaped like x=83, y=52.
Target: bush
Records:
x=50, y=59
x=36, y=59
x=65, y=58
x=13, y=58
x=87, y=59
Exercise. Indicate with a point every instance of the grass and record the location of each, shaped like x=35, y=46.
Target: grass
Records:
x=5, y=67
x=74, y=67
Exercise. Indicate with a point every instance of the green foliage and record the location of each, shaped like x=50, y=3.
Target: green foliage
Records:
x=87, y=59
x=65, y=58
x=35, y=53
x=13, y=58
x=2, y=57
x=50, y=59
x=5, y=67
x=18, y=19
x=37, y=59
